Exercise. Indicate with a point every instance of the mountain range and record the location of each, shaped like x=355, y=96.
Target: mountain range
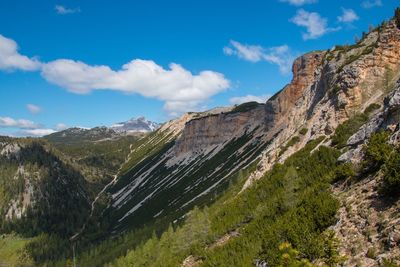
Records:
x=311, y=177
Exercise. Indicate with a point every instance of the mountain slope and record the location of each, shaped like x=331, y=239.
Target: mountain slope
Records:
x=39, y=192
x=195, y=162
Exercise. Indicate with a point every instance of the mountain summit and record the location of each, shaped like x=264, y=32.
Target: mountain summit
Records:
x=140, y=124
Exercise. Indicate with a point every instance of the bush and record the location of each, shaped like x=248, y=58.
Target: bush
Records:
x=344, y=171
x=371, y=253
x=347, y=129
x=377, y=151
x=391, y=175
x=245, y=107
x=292, y=142
x=303, y=131
x=397, y=17
x=372, y=107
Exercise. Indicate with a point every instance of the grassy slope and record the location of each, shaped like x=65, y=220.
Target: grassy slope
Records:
x=11, y=251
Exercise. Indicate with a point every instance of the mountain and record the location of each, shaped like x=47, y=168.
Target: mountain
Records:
x=79, y=135
x=135, y=125
x=40, y=192
x=309, y=178
x=190, y=161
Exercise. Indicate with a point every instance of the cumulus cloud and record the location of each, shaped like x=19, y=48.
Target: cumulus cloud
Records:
x=178, y=87
x=371, y=3
x=62, y=10
x=27, y=128
x=10, y=59
x=348, y=16
x=299, y=2
x=315, y=25
x=248, y=98
x=6, y=122
x=279, y=55
x=34, y=109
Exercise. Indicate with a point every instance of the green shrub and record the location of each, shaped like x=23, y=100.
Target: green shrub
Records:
x=303, y=131
x=397, y=17
x=391, y=175
x=292, y=142
x=372, y=107
x=245, y=107
x=331, y=254
x=388, y=263
x=377, y=151
x=344, y=171
x=371, y=253
x=291, y=257
x=347, y=129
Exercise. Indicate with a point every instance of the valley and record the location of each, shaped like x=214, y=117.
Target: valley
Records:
x=311, y=177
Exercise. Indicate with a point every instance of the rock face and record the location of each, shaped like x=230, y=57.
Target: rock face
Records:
x=199, y=152
x=387, y=119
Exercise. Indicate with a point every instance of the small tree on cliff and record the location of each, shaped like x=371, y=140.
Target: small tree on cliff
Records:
x=397, y=17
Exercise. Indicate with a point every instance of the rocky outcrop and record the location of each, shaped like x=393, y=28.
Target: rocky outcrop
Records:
x=201, y=133
x=387, y=119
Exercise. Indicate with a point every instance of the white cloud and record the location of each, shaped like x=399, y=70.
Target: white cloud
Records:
x=34, y=109
x=6, y=122
x=10, y=59
x=248, y=98
x=371, y=3
x=315, y=25
x=279, y=55
x=253, y=53
x=62, y=10
x=299, y=2
x=348, y=16
x=179, y=88
x=37, y=132
x=61, y=126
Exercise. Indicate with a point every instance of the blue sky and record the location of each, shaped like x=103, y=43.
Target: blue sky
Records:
x=89, y=63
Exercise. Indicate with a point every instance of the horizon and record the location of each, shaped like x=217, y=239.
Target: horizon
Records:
x=72, y=64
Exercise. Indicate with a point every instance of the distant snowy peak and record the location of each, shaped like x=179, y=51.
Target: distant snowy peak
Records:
x=139, y=124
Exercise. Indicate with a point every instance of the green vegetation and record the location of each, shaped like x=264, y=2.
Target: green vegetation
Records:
x=292, y=142
x=371, y=108
x=397, y=17
x=291, y=257
x=303, y=131
x=347, y=129
x=289, y=203
x=350, y=59
x=97, y=160
x=381, y=155
x=245, y=107
x=12, y=253
x=344, y=171
x=371, y=253
x=391, y=174
x=377, y=151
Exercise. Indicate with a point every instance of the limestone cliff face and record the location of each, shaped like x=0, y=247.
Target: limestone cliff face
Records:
x=198, y=134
